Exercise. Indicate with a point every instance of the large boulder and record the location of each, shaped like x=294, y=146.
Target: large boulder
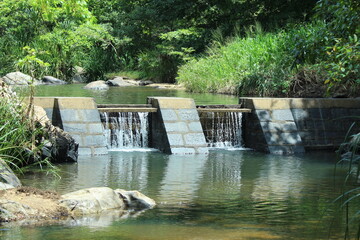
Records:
x=135, y=199
x=18, y=78
x=49, y=80
x=27, y=203
x=7, y=177
x=92, y=200
x=97, y=85
x=119, y=82
x=61, y=146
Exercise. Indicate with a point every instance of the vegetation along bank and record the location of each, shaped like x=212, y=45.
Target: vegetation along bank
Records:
x=258, y=48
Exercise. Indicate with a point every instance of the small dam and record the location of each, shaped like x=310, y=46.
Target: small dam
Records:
x=178, y=126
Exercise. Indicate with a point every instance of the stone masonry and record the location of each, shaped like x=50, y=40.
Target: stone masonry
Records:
x=176, y=127
x=80, y=118
x=293, y=125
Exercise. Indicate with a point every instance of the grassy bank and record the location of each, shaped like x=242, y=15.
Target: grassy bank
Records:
x=256, y=64
x=316, y=59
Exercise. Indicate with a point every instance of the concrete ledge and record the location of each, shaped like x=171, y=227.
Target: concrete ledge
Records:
x=127, y=109
x=303, y=103
x=245, y=110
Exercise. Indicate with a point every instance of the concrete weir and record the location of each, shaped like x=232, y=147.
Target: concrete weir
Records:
x=176, y=127
x=80, y=118
x=295, y=125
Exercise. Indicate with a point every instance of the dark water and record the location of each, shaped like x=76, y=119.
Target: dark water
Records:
x=223, y=195
x=129, y=95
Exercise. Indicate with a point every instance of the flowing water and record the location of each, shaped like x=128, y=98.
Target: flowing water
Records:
x=223, y=195
x=126, y=130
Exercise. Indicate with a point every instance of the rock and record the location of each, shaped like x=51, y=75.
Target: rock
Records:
x=145, y=83
x=100, y=205
x=11, y=210
x=7, y=176
x=91, y=200
x=49, y=80
x=97, y=85
x=79, y=76
x=118, y=82
x=135, y=199
x=61, y=146
x=18, y=78
x=5, y=186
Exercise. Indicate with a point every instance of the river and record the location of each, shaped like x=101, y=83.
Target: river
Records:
x=228, y=194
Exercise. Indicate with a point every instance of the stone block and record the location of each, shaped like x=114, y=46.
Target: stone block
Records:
x=300, y=114
x=76, y=103
x=188, y=115
x=283, y=138
x=278, y=127
x=80, y=115
x=176, y=127
x=195, y=127
x=95, y=128
x=175, y=140
x=195, y=139
x=75, y=128
x=168, y=115
x=263, y=115
x=282, y=115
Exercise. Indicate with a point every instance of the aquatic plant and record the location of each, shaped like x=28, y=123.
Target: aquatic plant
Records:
x=349, y=154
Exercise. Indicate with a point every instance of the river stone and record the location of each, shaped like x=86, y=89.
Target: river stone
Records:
x=92, y=200
x=97, y=85
x=79, y=75
x=49, y=80
x=135, y=199
x=7, y=176
x=18, y=78
x=11, y=210
x=118, y=82
x=62, y=146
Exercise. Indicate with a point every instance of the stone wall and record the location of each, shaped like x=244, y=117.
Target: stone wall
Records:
x=293, y=125
x=80, y=118
x=176, y=127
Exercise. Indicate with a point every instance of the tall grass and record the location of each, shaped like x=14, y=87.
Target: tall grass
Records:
x=258, y=64
x=20, y=143
x=349, y=155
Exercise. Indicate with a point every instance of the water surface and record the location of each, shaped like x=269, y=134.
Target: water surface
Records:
x=223, y=195
x=129, y=95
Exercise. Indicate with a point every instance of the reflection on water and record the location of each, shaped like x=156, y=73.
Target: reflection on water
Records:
x=130, y=95
x=223, y=195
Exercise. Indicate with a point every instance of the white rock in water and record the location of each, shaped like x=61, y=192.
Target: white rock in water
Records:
x=97, y=85
x=91, y=200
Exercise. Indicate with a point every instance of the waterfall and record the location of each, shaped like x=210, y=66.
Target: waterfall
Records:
x=223, y=129
x=126, y=129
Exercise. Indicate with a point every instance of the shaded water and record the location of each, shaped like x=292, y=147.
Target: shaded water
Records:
x=223, y=195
